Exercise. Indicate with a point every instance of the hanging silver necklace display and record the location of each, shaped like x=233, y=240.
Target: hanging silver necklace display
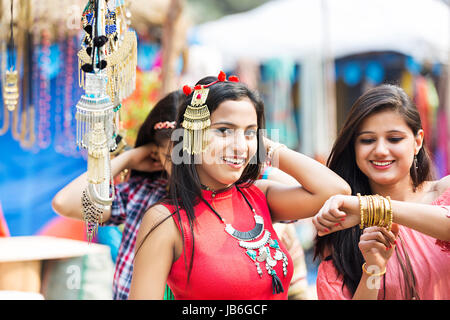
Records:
x=258, y=251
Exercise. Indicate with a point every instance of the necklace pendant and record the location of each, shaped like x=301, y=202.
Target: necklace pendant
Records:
x=258, y=269
x=257, y=244
x=271, y=262
x=274, y=244
x=251, y=254
x=262, y=255
x=247, y=235
x=285, y=264
x=278, y=255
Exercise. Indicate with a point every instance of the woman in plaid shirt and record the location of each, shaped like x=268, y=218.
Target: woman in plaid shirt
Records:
x=146, y=185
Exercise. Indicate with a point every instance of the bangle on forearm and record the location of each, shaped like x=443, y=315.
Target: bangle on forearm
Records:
x=271, y=151
x=375, y=211
x=372, y=274
x=448, y=211
x=361, y=210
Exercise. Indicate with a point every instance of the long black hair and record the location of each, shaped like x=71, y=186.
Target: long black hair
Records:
x=343, y=245
x=184, y=184
x=164, y=110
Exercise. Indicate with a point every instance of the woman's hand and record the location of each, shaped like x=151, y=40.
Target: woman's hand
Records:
x=145, y=158
x=339, y=212
x=376, y=245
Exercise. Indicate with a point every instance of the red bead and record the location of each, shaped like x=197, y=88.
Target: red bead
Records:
x=222, y=76
x=187, y=90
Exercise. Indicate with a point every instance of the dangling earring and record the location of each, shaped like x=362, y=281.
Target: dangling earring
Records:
x=415, y=177
x=196, y=122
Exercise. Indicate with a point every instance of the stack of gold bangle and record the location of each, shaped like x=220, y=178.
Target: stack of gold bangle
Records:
x=375, y=211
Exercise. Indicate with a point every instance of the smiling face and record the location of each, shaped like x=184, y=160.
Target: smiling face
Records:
x=385, y=147
x=232, y=142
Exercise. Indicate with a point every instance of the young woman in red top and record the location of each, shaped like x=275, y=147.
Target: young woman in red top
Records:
x=220, y=243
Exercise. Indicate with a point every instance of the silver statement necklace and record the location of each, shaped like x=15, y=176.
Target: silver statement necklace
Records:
x=264, y=251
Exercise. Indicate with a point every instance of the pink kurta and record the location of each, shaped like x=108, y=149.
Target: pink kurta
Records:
x=429, y=259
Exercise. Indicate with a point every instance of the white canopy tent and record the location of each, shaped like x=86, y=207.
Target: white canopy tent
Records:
x=295, y=28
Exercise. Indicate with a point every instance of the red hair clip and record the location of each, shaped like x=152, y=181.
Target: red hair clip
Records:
x=220, y=78
x=165, y=125
x=187, y=90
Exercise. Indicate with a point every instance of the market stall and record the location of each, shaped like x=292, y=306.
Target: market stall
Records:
x=39, y=131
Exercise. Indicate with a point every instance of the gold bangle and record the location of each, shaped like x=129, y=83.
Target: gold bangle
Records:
x=371, y=212
x=382, y=211
x=390, y=213
x=372, y=274
x=361, y=211
x=271, y=152
x=368, y=210
x=386, y=214
x=379, y=221
x=375, y=213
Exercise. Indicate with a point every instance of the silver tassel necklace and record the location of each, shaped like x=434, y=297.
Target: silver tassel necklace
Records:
x=265, y=250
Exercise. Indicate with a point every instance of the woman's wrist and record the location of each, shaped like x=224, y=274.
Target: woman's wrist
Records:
x=351, y=205
x=373, y=270
x=375, y=210
x=272, y=153
x=123, y=161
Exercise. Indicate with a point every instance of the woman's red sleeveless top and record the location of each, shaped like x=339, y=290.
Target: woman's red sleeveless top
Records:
x=221, y=268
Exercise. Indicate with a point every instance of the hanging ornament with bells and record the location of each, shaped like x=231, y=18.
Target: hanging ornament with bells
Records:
x=107, y=73
x=11, y=80
x=11, y=90
x=95, y=123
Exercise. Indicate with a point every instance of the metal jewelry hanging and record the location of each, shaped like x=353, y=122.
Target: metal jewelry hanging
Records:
x=107, y=72
x=95, y=123
x=11, y=81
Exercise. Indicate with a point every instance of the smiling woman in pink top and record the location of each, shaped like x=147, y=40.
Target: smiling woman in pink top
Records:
x=380, y=151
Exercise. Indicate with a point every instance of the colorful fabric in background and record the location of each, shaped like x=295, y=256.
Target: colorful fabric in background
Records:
x=441, y=155
x=148, y=85
x=110, y=236
x=434, y=122
x=4, y=232
x=30, y=177
x=422, y=90
x=421, y=101
x=277, y=78
x=63, y=227
x=139, y=104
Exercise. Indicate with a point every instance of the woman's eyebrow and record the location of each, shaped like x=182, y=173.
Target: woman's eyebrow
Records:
x=372, y=132
x=230, y=124
x=364, y=132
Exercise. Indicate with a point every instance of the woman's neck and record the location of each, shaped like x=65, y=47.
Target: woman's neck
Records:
x=210, y=183
x=216, y=189
x=402, y=190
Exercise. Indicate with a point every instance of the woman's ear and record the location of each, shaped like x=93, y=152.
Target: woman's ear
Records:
x=418, y=141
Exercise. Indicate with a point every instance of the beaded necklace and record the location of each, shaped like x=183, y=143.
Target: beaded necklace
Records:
x=258, y=251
